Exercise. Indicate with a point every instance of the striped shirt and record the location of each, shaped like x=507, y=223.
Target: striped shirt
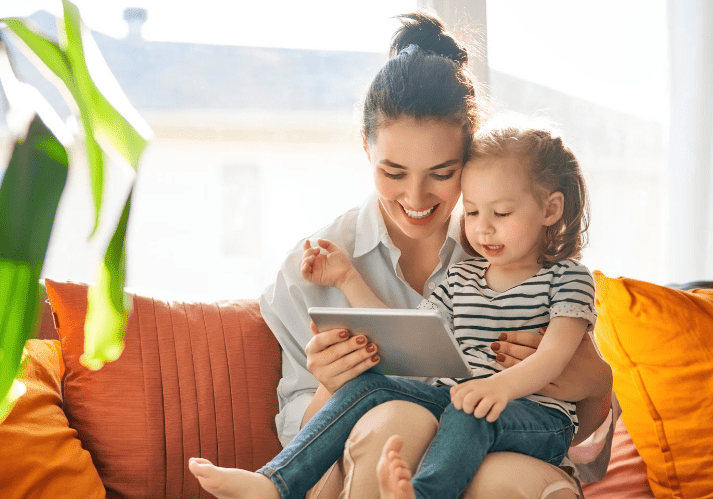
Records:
x=477, y=315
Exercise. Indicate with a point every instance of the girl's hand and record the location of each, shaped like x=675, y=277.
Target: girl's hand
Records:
x=485, y=397
x=586, y=375
x=326, y=269
x=334, y=358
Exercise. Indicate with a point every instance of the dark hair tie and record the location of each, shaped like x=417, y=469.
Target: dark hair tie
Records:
x=408, y=50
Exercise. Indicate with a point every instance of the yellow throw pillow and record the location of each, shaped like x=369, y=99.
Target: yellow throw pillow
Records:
x=659, y=343
x=40, y=455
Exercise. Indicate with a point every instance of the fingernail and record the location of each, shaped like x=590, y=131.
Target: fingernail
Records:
x=375, y=358
x=361, y=340
x=344, y=334
x=503, y=337
x=495, y=347
x=371, y=348
x=500, y=357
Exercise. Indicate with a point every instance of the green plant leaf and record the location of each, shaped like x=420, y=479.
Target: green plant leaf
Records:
x=44, y=48
x=107, y=307
x=103, y=124
x=29, y=195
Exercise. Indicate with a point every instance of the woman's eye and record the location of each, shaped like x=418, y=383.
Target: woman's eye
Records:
x=501, y=215
x=472, y=213
x=394, y=176
x=447, y=176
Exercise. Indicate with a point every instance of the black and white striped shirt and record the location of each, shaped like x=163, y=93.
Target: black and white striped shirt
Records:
x=477, y=314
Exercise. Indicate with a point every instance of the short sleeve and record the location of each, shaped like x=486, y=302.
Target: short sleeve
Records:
x=572, y=293
x=441, y=300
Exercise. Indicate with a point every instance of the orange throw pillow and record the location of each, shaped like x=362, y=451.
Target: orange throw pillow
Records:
x=659, y=343
x=40, y=455
x=195, y=379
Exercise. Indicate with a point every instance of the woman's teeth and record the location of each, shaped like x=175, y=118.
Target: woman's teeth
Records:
x=419, y=214
x=492, y=248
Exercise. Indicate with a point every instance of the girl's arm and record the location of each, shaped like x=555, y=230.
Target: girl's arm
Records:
x=591, y=392
x=564, y=334
x=488, y=397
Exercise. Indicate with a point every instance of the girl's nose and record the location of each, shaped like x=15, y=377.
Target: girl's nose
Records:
x=484, y=226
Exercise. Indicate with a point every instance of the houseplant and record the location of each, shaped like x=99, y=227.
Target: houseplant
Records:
x=35, y=178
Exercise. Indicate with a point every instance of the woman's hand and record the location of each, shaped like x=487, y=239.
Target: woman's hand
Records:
x=334, y=358
x=586, y=375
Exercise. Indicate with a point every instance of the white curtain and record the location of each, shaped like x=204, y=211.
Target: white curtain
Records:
x=690, y=159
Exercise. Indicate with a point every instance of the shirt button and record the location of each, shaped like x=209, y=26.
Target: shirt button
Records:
x=431, y=285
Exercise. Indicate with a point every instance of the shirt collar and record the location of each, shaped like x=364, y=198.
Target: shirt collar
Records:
x=371, y=229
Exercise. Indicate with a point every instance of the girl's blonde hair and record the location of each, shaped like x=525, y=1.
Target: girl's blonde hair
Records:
x=552, y=167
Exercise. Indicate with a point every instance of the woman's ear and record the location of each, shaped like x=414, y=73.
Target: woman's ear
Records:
x=366, y=144
x=554, y=207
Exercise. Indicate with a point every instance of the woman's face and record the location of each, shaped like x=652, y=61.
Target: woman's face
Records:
x=417, y=168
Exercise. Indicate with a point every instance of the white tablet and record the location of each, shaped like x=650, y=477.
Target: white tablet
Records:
x=410, y=342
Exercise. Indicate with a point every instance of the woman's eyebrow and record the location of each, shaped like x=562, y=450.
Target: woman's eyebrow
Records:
x=445, y=164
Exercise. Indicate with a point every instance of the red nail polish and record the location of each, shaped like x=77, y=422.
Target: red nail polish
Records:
x=500, y=357
x=495, y=347
x=375, y=358
x=371, y=348
x=361, y=340
x=344, y=334
x=503, y=337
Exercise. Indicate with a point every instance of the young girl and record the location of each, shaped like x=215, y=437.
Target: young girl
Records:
x=524, y=217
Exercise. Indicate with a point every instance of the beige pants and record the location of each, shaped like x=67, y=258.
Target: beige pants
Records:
x=503, y=475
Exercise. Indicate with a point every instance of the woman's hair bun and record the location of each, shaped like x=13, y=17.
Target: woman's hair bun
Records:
x=428, y=32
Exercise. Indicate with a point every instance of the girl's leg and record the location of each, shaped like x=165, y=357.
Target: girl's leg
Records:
x=320, y=443
x=353, y=476
x=463, y=441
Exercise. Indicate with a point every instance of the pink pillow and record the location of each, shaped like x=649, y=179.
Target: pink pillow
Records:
x=626, y=475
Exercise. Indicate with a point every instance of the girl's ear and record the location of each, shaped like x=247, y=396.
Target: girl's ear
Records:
x=554, y=207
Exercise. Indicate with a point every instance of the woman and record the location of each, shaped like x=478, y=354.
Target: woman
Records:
x=419, y=116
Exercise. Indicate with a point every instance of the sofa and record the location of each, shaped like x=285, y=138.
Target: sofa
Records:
x=199, y=379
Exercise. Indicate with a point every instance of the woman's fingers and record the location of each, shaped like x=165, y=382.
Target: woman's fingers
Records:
x=334, y=358
x=514, y=346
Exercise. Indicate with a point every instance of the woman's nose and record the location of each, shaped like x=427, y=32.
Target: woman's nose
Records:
x=416, y=194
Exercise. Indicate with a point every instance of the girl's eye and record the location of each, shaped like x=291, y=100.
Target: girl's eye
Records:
x=501, y=215
x=394, y=176
x=444, y=177
x=472, y=213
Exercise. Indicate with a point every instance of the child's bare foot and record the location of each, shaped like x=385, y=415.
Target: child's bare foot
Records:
x=393, y=472
x=229, y=483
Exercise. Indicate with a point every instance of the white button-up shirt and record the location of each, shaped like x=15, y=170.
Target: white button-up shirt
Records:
x=362, y=234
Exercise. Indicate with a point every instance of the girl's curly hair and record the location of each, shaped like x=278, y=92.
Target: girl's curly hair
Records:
x=552, y=167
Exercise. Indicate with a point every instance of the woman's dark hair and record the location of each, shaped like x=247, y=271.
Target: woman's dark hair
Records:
x=551, y=167
x=425, y=79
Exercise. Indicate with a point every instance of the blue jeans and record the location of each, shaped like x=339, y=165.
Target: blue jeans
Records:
x=455, y=454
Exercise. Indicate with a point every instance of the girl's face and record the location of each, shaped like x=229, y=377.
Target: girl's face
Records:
x=504, y=221
x=417, y=169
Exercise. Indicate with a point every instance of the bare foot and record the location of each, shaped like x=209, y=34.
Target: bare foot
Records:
x=393, y=472
x=230, y=483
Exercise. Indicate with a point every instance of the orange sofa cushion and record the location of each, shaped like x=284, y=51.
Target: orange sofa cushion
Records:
x=659, y=343
x=195, y=379
x=40, y=455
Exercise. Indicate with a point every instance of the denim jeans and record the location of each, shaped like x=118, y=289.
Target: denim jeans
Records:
x=452, y=459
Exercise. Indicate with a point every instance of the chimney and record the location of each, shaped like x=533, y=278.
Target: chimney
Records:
x=135, y=17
